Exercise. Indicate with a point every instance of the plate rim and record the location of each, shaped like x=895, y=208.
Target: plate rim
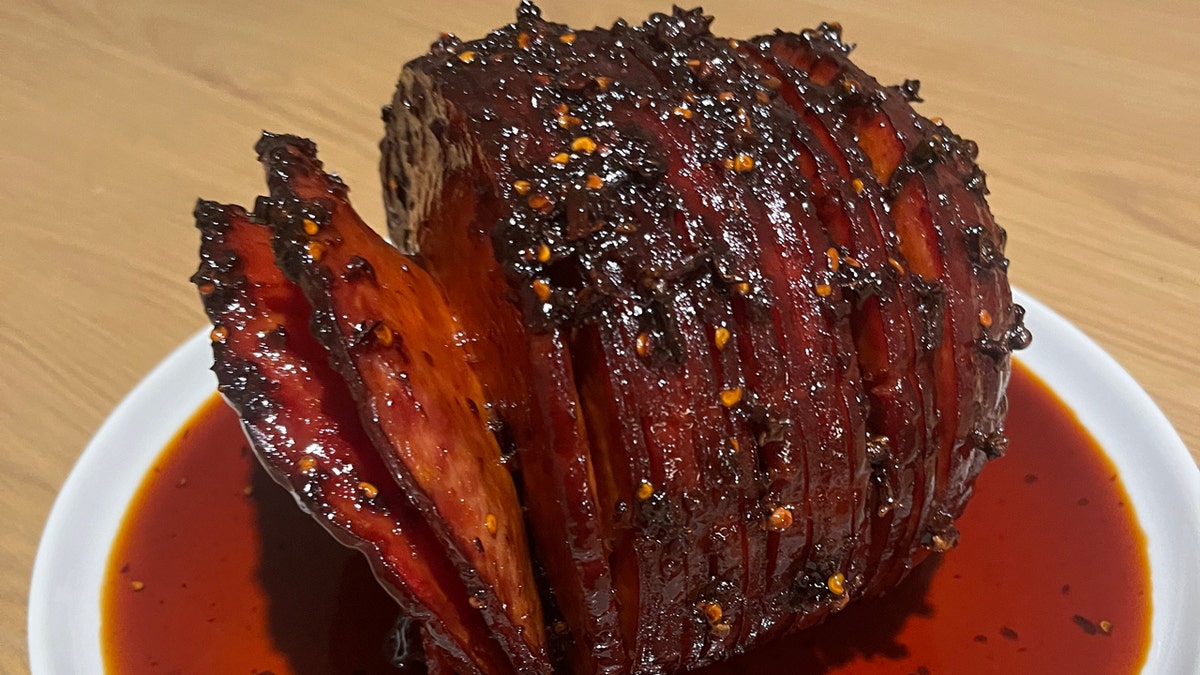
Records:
x=1076, y=363
x=171, y=393
x=1064, y=357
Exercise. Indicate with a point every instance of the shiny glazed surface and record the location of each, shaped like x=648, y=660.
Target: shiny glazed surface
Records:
x=1050, y=552
x=1088, y=140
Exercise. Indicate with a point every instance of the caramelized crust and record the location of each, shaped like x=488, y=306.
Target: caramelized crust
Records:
x=304, y=428
x=392, y=338
x=648, y=185
x=688, y=342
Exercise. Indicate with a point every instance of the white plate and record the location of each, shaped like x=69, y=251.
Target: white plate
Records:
x=1159, y=474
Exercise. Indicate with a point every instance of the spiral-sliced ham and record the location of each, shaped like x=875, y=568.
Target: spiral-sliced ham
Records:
x=685, y=343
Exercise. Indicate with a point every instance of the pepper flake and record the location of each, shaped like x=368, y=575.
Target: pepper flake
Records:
x=721, y=337
x=384, y=335
x=315, y=250
x=743, y=163
x=779, y=520
x=642, y=344
x=837, y=584
x=368, y=490
x=835, y=259
x=583, y=144
x=712, y=611
x=645, y=491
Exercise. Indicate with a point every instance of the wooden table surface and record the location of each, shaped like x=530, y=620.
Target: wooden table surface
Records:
x=116, y=115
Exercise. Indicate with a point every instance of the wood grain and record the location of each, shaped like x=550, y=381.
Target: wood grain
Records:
x=117, y=114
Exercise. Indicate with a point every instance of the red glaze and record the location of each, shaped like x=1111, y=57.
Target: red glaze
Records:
x=390, y=335
x=1049, y=550
x=234, y=583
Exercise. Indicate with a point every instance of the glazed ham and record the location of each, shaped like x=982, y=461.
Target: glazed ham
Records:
x=685, y=342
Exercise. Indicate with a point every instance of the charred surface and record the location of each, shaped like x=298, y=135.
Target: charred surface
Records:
x=304, y=428
x=392, y=338
x=728, y=319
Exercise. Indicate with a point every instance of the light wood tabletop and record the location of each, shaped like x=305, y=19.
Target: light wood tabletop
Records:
x=115, y=116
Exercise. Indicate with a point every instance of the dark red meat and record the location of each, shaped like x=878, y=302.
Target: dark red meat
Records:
x=688, y=341
x=303, y=426
x=391, y=336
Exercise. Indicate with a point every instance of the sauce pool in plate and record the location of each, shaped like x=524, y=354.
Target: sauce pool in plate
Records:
x=216, y=570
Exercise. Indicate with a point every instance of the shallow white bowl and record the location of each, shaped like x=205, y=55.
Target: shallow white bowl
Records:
x=1159, y=474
